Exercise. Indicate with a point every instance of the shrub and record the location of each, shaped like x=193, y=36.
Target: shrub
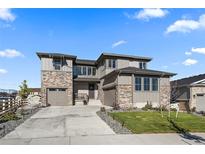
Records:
x=173, y=110
x=193, y=109
x=8, y=116
x=102, y=109
x=148, y=106
x=116, y=107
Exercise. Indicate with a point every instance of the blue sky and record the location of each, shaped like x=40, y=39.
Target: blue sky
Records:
x=174, y=38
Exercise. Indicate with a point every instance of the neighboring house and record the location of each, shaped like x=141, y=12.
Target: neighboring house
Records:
x=114, y=79
x=35, y=91
x=189, y=92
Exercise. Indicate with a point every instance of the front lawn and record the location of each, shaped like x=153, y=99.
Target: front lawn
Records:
x=152, y=122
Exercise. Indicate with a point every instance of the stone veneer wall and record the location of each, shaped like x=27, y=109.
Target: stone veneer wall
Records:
x=165, y=91
x=57, y=79
x=124, y=96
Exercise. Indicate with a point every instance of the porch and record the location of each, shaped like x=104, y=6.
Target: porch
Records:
x=86, y=90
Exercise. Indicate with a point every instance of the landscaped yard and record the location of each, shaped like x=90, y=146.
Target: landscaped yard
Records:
x=152, y=122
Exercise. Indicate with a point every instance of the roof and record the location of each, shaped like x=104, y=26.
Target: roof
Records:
x=138, y=71
x=114, y=55
x=85, y=79
x=188, y=80
x=57, y=55
x=85, y=62
x=93, y=62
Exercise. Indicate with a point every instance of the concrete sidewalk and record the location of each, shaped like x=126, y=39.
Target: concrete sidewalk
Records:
x=139, y=139
x=79, y=125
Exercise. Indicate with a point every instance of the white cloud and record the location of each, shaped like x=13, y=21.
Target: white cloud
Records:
x=10, y=53
x=188, y=53
x=147, y=14
x=198, y=50
x=186, y=26
x=118, y=43
x=3, y=71
x=189, y=62
x=7, y=15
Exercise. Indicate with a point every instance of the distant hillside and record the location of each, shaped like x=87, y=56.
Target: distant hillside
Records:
x=10, y=91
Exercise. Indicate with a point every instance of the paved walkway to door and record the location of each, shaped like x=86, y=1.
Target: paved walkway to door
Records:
x=81, y=125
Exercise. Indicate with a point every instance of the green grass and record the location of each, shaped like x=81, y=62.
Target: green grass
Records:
x=153, y=122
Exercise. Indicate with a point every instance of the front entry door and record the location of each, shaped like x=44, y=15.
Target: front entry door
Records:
x=91, y=91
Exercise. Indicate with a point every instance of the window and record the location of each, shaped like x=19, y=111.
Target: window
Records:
x=79, y=70
x=111, y=63
x=84, y=70
x=146, y=84
x=52, y=89
x=57, y=64
x=61, y=89
x=138, y=83
x=94, y=71
x=154, y=84
x=89, y=70
x=142, y=65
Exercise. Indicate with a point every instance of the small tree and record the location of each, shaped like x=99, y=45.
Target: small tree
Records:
x=24, y=90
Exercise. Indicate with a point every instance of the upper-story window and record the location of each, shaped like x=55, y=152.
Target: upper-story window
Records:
x=57, y=63
x=84, y=70
x=142, y=65
x=89, y=70
x=111, y=63
x=94, y=71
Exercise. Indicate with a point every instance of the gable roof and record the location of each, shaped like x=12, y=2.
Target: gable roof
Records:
x=138, y=71
x=56, y=55
x=188, y=80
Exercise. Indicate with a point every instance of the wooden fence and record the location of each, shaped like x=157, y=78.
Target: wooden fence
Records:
x=6, y=106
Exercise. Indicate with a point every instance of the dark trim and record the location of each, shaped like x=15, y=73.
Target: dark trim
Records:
x=122, y=56
x=55, y=55
x=84, y=79
x=85, y=62
x=140, y=72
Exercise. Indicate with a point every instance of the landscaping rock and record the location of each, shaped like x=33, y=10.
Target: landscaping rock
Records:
x=115, y=125
x=9, y=126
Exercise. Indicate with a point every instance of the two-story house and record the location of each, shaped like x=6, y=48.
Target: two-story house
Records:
x=114, y=79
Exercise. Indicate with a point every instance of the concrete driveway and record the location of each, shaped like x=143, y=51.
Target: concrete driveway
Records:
x=80, y=125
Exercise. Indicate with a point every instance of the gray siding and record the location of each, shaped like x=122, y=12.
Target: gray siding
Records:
x=47, y=65
x=140, y=98
x=109, y=97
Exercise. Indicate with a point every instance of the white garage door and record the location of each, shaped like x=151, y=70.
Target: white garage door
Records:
x=200, y=102
x=57, y=97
